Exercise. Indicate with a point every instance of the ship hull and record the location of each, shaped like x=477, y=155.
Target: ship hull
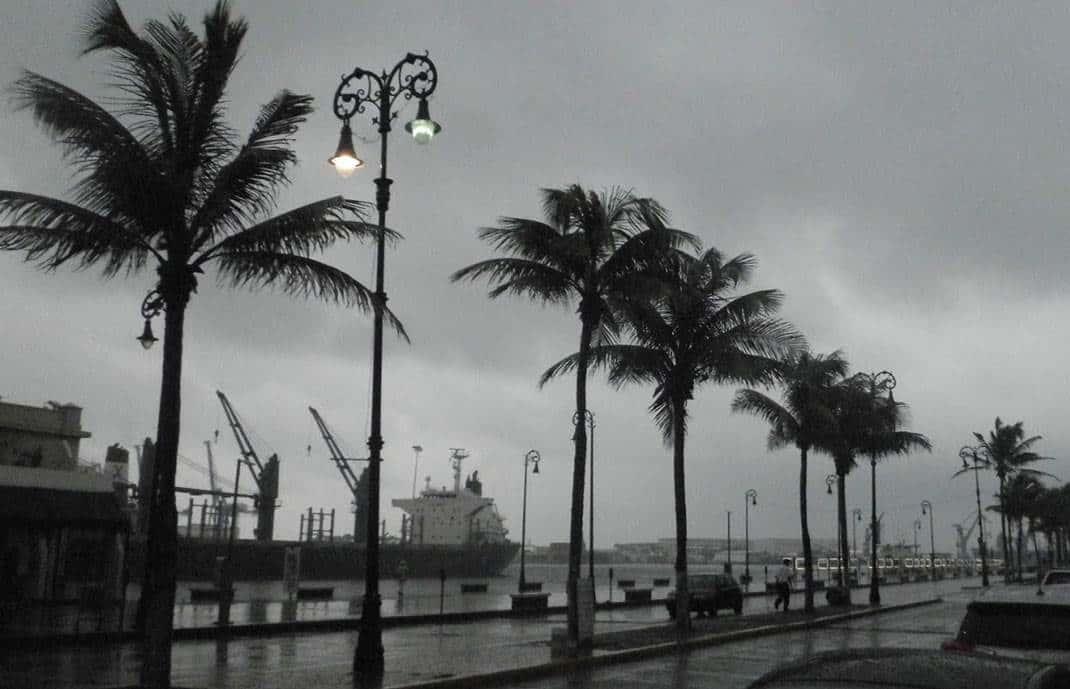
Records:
x=263, y=560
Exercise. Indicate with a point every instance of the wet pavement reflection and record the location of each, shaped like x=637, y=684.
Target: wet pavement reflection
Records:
x=427, y=652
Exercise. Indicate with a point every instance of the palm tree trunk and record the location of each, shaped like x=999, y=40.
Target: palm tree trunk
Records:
x=579, y=472
x=1007, y=561
x=1036, y=552
x=683, y=608
x=808, y=553
x=841, y=500
x=162, y=546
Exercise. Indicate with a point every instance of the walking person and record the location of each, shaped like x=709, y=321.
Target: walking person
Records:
x=784, y=575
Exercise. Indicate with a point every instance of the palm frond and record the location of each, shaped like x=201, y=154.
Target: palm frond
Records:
x=246, y=187
x=766, y=408
x=222, y=40
x=301, y=276
x=303, y=230
x=139, y=71
x=537, y=241
x=521, y=276
x=53, y=232
x=117, y=173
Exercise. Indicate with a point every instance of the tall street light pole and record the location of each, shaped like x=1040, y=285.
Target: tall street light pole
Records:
x=831, y=480
x=971, y=453
x=856, y=513
x=729, y=541
x=927, y=508
x=415, y=76
x=749, y=498
x=883, y=381
x=917, y=528
x=532, y=457
x=589, y=416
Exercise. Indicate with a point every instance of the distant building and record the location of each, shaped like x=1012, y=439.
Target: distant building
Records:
x=61, y=523
x=40, y=437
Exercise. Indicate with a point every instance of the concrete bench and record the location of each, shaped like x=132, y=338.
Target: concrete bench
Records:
x=533, y=602
x=634, y=595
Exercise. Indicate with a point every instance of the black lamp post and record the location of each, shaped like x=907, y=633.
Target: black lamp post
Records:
x=971, y=452
x=226, y=585
x=414, y=76
x=830, y=480
x=917, y=528
x=589, y=416
x=883, y=381
x=749, y=498
x=857, y=514
x=927, y=508
x=729, y=568
x=532, y=457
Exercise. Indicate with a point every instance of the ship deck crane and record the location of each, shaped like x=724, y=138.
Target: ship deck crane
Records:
x=356, y=486
x=265, y=474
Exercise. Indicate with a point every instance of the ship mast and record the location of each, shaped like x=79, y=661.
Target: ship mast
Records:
x=457, y=455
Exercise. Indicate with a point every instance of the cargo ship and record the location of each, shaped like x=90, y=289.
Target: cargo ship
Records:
x=457, y=532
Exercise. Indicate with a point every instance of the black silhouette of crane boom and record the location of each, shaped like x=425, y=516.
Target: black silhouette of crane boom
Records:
x=265, y=474
x=356, y=486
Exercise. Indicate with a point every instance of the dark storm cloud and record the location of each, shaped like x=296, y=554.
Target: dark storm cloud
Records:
x=899, y=170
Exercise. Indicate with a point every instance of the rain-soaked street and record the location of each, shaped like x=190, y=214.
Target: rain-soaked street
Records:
x=421, y=653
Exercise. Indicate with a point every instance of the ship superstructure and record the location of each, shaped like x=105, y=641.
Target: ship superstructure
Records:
x=461, y=516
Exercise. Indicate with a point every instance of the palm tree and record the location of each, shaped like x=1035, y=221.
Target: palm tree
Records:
x=693, y=333
x=800, y=420
x=864, y=423
x=593, y=248
x=883, y=437
x=1007, y=452
x=164, y=181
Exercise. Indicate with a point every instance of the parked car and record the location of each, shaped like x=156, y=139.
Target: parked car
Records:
x=914, y=669
x=1056, y=577
x=709, y=593
x=1017, y=621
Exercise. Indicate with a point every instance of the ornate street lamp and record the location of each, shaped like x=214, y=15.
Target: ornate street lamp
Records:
x=150, y=308
x=830, y=481
x=749, y=498
x=415, y=76
x=927, y=508
x=917, y=528
x=589, y=417
x=531, y=458
x=965, y=453
x=883, y=381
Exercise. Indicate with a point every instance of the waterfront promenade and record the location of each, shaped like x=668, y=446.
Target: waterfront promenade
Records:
x=414, y=654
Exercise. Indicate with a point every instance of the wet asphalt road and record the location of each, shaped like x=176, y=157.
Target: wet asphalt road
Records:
x=422, y=653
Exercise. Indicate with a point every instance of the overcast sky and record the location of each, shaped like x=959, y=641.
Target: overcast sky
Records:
x=899, y=169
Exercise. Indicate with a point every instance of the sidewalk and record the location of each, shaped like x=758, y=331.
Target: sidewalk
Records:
x=481, y=652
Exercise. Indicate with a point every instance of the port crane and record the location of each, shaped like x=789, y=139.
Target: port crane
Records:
x=962, y=540
x=357, y=486
x=265, y=474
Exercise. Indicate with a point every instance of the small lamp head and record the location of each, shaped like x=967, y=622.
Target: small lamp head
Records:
x=423, y=128
x=345, y=159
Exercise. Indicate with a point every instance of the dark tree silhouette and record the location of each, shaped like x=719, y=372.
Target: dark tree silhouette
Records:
x=866, y=423
x=165, y=182
x=593, y=248
x=697, y=331
x=801, y=419
x=1007, y=452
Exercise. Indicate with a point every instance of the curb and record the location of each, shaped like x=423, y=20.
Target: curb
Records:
x=530, y=672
